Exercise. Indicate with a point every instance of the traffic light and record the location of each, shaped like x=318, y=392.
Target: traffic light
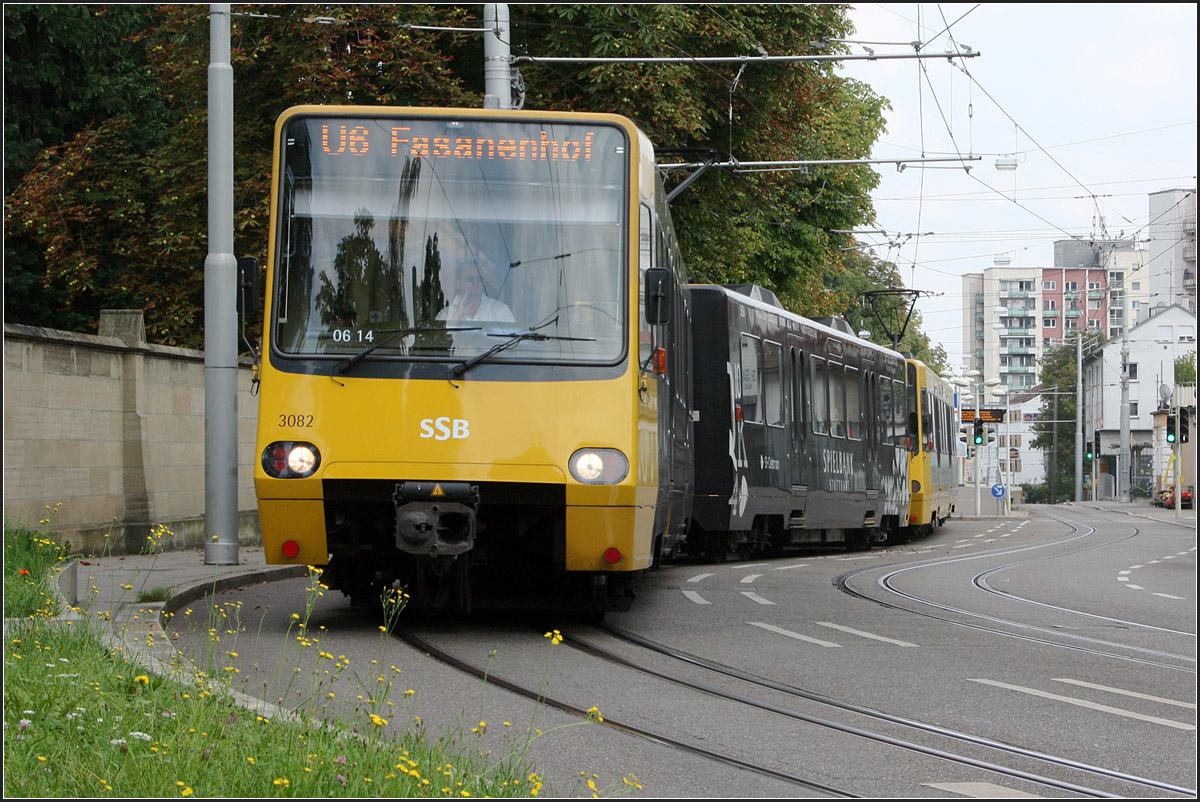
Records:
x=1171, y=429
x=1091, y=450
x=979, y=435
x=1185, y=422
x=1096, y=442
x=991, y=434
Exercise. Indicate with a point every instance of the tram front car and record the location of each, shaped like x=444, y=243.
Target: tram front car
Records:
x=452, y=399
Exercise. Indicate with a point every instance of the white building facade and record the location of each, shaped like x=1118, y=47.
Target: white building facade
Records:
x=1154, y=345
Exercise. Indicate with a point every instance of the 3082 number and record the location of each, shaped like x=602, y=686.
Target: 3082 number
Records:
x=296, y=421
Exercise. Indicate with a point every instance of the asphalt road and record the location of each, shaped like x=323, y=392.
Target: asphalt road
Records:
x=1069, y=635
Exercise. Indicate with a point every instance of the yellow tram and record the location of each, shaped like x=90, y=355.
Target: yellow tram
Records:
x=472, y=356
x=932, y=463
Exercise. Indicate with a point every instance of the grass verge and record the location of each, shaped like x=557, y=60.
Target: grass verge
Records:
x=82, y=720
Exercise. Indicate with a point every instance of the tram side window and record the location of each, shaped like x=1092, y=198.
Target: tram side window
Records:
x=645, y=262
x=837, y=400
x=947, y=428
x=750, y=403
x=820, y=397
x=900, y=414
x=773, y=383
x=927, y=431
x=854, y=410
x=886, y=402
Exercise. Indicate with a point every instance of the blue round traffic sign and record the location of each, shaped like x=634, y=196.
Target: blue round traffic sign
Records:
x=998, y=491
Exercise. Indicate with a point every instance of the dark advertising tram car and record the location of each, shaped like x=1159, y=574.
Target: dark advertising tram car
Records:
x=801, y=428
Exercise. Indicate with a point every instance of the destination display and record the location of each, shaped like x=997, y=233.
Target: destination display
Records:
x=985, y=415
x=353, y=138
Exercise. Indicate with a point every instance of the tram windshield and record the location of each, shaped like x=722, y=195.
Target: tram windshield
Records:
x=440, y=238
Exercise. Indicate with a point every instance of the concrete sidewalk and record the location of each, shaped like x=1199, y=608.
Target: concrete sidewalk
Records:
x=106, y=590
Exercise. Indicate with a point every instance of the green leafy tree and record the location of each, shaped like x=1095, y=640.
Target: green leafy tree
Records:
x=1054, y=431
x=67, y=68
x=768, y=228
x=1185, y=368
x=113, y=206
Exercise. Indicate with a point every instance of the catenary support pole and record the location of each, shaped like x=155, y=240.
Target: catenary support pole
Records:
x=220, y=305
x=497, y=57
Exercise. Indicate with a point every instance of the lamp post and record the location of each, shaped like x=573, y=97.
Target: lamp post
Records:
x=1005, y=475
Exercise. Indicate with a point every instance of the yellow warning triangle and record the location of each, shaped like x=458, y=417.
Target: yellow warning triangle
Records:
x=437, y=491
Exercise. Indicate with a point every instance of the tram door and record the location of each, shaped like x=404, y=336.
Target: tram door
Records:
x=800, y=425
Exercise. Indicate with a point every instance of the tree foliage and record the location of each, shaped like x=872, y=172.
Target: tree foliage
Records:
x=850, y=283
x=1054, y=431
x=107, y=181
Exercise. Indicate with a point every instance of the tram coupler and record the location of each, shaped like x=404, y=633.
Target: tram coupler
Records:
x=435, y=518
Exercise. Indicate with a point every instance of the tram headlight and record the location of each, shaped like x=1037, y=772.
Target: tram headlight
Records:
x=599, y=466
x=291, y=460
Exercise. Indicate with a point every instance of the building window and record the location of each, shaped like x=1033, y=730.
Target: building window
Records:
x=1133, y=371
x=1048, y=285
x=1133, y=409
x=1050, y=323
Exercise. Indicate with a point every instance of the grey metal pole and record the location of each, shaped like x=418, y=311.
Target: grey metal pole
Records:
x=1125, y=452
x=497, y=57
x=220, y=305
x=1079, y=417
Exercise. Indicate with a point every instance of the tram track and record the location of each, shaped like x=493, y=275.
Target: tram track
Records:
x=1015, y=629
x=541, y=697
x=1127, y=784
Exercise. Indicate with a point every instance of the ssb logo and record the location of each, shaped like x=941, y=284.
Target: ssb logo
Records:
x=445, y=429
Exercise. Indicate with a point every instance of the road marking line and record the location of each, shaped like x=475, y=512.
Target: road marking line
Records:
x=790, y=567
x=1135, y=587
x=700, y=577
x=749, y=578
x=862, y=634
x=1169, y=596
x=1166, y=722
x=982, y=791
x=755, y=597
x=1134, y=694
x=796, y=635
x=696, y=597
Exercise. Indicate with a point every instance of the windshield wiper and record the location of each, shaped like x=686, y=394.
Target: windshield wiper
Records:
x=532, y=334
x=393, y=335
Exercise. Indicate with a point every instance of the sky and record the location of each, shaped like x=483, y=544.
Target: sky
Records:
x=1095, y=101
